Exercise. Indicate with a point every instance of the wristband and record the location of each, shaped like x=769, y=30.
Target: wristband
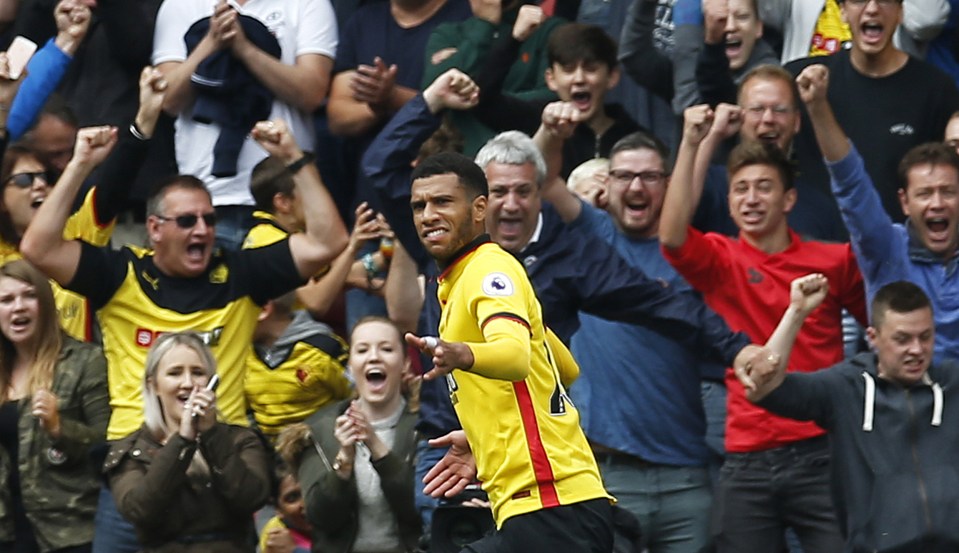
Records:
x=295, y=167
x=370, y=265
x=136, y=132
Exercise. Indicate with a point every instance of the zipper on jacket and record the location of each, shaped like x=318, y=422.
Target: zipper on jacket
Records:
x=923, y=495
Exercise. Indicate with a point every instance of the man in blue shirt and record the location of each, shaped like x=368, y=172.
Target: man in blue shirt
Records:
x=639, y=392
x=924, y=248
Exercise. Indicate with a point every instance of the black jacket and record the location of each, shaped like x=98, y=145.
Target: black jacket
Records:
x=894, y=451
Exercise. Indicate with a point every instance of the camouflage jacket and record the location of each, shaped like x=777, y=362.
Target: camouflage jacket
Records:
x=59, y=482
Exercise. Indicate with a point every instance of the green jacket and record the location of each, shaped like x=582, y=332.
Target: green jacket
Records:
x=59, y=482
x=332, y=503
x=472, y=39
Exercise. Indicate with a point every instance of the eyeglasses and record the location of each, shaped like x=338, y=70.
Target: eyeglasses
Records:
x=648, y=178
x=189, y=220
x=882, y=3
x=25, y=180
x=758, y=111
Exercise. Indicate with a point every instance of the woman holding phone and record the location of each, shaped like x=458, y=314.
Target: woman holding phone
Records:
x=185, y=481
x=53, y=407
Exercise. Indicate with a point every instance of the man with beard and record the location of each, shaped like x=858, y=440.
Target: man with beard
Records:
x=498, y=358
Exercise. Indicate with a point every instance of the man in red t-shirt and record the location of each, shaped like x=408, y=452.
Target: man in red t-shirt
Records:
x=776, y=472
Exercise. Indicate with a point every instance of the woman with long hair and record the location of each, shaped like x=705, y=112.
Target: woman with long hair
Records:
x=357, y=470
x=184, y=480
x=54, y=407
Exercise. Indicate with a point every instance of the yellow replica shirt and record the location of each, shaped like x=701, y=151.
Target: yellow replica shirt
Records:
x=76, y=318
x=266, y=230
x=296, y=377
x=135, y=303
x=530, y=451
x=831, y=33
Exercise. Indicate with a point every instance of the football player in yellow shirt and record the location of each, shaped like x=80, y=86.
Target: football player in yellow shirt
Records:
x=507, y=376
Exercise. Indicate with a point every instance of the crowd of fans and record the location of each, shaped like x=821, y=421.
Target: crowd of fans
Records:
x=741, y=217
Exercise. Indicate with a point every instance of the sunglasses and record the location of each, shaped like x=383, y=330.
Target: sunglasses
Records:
x=25, y=180
x=190, y=220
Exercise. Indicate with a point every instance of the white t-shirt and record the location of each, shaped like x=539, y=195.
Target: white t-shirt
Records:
x=300, y=26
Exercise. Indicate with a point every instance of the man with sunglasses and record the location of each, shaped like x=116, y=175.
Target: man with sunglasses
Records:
x=183, y=282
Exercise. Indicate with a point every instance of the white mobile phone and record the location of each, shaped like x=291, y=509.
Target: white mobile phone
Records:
x=19, y=54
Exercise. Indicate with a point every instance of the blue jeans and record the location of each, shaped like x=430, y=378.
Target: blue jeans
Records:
x=672, y=503
x=762, y=493
x=112, y=532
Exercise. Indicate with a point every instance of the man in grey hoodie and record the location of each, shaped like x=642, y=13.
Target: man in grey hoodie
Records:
x=890, y=416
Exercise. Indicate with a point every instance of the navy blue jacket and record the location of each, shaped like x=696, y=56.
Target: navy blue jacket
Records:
x=569, y=272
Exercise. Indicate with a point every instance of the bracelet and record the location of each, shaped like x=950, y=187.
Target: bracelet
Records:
x=136, y=132
x=370, y=265
x=295, y=167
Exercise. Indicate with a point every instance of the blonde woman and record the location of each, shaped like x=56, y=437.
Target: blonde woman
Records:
x=184, y=480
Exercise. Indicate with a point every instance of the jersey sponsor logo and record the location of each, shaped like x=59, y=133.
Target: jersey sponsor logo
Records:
x=497, y=284
x=902, y=129
x=145, y=337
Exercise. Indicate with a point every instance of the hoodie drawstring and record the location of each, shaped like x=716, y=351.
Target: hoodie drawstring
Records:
x=868, y=407
x=936, y=399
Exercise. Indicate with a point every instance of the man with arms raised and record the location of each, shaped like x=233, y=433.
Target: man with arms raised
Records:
x=923, y=250
x=183, y=283
x=745, y=281
x=890, y=414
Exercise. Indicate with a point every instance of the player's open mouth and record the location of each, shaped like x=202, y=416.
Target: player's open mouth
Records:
x=753, y=216
x=196, y=250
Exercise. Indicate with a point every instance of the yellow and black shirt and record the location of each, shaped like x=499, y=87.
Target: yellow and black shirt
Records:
x=530, y=451
x=135, y=303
